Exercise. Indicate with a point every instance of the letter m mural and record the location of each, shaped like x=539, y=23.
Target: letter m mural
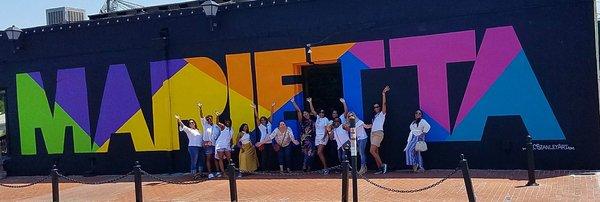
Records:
x=502, y=83
x=70, y=110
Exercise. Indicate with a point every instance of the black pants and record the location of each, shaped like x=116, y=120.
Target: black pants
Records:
x=268, y=158
x=235, y=155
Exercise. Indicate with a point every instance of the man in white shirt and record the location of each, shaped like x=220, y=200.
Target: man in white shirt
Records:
x=377, y=130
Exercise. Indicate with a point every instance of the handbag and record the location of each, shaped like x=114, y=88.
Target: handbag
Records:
x=421, y=146
x=276, y=147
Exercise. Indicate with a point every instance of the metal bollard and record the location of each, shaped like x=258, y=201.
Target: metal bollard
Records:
x=530, y=163
x=354, y=155
x=345, y=180
x=54, y=172
x=137, y=170
x=354, y=179
x=468, y=184
x=232, y=183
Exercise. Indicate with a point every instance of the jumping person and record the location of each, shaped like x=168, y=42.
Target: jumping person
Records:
x=283, y=136
x=211, y=132
x=247, y=156
x=307, y=128
x=418, y=129
x=267, y=154
x=223, y=146
x=377, y=130
x=320, y=140
x=361, y=140
x=194, y=146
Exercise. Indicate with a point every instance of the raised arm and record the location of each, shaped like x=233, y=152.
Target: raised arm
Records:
x=255, y=110
x=272, y=111
x=345, y=107
x=200, y=110
x=183, y=126
x=298, y=111
x=179, y=120
x=312, y=108
x=218, y=120
x=383, y=100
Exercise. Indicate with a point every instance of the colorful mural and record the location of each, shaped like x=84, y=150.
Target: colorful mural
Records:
x=501, y=83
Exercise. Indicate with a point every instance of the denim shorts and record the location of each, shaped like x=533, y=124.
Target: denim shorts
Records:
x=209, y=150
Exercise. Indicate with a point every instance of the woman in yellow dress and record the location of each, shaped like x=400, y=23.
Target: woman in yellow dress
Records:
x=248, y=159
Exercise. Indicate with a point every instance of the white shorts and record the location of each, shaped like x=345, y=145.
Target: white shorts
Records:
x=321, y=139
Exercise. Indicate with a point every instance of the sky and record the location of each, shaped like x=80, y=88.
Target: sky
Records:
x=32, y=13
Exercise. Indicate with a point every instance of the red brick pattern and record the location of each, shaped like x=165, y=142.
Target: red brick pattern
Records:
x=488, y=185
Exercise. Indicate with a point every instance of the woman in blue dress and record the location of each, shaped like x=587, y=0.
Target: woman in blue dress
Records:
x=418, y=129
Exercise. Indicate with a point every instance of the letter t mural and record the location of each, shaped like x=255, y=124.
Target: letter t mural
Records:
x=502, y=83
x=431, y=54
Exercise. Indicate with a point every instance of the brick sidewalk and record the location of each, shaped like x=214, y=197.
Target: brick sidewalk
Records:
x=488, y=185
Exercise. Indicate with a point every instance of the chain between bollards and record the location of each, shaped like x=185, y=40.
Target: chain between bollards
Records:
x=54, y=173
x=232, y=184
x=137, y=170
x=530, y=163
x=464, y=165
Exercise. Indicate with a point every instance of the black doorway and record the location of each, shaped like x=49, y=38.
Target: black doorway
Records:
x=323, y=83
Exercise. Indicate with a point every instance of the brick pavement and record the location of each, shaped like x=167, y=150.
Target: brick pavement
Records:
x=489, y=186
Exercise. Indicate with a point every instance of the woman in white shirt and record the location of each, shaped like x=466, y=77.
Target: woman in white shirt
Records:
x=247, y=156
x=283, y=136
x=418, y=129
x=340, y=135
x=318, y=127
x=210, y=134
x=377, y=131
x=223, y=143
x=194, y=146
x=267, y=154
x=361, y=140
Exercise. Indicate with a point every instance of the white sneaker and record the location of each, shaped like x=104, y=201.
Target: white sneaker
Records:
x=363, y=170
x=218, y=174
x=211, y=176
x=384, y=169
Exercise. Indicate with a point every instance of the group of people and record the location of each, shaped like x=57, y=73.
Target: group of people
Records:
x=217, y=141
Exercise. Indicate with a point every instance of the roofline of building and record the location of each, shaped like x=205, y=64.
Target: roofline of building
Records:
x=176, y=9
